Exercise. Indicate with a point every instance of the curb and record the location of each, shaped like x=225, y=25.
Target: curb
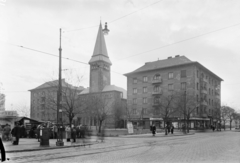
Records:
x=48, y=148
x=150, y=135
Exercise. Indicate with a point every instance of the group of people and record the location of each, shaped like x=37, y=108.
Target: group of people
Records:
x=169, y=128
x=13, y=134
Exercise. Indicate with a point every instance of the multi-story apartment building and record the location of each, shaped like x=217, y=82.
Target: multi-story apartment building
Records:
x=44, y=100
x=149, y=83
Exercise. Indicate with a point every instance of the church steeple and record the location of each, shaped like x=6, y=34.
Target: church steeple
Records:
x=100, y=50
x=100, y=64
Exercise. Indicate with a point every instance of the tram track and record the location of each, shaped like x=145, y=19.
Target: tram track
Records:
x=92, y=151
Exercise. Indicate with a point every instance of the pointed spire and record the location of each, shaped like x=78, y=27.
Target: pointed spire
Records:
x=100, y=50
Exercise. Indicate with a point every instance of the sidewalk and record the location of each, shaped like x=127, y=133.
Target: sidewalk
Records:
x=161, y=134
x=26, y=144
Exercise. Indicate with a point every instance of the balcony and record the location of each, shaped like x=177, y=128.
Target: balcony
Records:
x=204, y=115
x=204, y=91
x=204, y=80
x=204, y=103
x=157, y=93
x=157, y=81
x=155, y=104
x=218, y=96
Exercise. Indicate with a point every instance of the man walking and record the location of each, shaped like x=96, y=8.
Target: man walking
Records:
x=16, y=132
x=153, y=129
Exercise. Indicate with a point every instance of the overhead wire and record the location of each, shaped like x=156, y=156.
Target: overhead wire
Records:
x=197, y=36
x=78, y=29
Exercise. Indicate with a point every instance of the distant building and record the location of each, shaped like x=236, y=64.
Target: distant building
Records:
x=2, y=102
x=100, y=84
x=44, y=100
x=147, y=84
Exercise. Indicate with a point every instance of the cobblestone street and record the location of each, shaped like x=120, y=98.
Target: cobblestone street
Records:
x=201, y=147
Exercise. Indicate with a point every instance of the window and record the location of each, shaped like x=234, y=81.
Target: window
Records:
x=134, y=90
x=183, y=73
x=156, y=89
x=209, y=91
x=144, y=110
x=197, y=86
x=145, y=79
x=170, y=75
x=170, y=87
x=156, y=100
x=212, y=92
x=209, y=102
x=144, y=100
x=135, y=80
x=134, y=111
x=144, y=89
x=197, y=99
x=134, y=101
x=157, y=77
x=183, y=86
x=197, y=74
x=197, y=110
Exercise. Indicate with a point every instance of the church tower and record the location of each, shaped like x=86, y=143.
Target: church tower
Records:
x=99, y=64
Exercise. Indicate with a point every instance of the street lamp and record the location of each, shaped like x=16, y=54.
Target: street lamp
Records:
x=59, y=97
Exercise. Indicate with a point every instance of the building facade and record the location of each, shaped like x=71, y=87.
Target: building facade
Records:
x=150, y=83
x=43, y=103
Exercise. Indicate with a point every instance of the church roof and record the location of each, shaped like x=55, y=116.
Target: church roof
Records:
x=108, y=88
x=100, y=50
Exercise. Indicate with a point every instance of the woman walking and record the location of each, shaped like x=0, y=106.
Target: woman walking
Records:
x=153, y=129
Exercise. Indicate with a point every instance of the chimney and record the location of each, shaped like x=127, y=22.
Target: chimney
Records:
x=169, y=57
x=177, y=56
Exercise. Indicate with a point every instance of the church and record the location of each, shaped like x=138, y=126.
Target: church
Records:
x=100, y=86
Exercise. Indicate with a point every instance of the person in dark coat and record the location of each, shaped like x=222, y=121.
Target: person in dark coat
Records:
x=16, y=132
x=153, y=129
x=168, y=128
x=172, y=129
x=74, y=134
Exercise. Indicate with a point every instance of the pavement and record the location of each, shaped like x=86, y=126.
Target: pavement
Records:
x=27, y=144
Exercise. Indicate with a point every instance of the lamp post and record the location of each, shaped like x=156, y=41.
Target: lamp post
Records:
x=59, y=97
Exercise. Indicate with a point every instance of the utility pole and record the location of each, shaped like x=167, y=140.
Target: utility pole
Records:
x=59, y=97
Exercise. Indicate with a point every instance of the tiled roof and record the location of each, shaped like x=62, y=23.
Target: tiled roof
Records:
x=108, y=88
x=55, y=84
x=178, y=60
x=115, y=88
x=100, y=50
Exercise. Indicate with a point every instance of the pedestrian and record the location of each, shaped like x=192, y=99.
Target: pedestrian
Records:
x=68, y=133
x=153, y=129
x=38, y=132
x=168, y=128
x=172, y=129
x=16, y=133
x=6, y=132
x=78, y=131
x=74, y=134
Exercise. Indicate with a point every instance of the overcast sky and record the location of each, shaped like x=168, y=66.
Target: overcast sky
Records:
x=138, y=28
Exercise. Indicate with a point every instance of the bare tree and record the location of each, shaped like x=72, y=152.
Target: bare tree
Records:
x=100, y=106
x=70, y=103
x=118, y=113
x=2, y=100
x=186, y=104
x=165, y=107
x=236, y=117
x=224, y=115
x=23, y=110
x=230, y=114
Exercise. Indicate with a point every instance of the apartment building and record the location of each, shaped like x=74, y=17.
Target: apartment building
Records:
x=147, y=85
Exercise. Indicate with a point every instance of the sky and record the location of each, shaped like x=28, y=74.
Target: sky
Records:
x=140, y=31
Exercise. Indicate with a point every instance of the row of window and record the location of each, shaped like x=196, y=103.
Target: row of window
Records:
x=158, y=77
x=157, y=88
x=210, y=80
x=210, y=91
x=143, y=112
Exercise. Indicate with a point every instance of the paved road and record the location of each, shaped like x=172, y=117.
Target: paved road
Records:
x=202, y=147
